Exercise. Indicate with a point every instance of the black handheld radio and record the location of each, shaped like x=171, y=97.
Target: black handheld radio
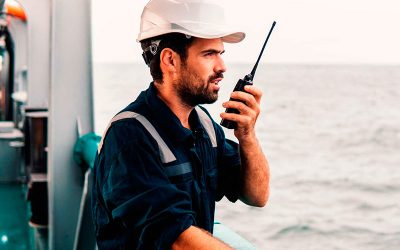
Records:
x=247, y=80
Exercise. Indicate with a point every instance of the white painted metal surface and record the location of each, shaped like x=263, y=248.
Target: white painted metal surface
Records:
x=59, y=78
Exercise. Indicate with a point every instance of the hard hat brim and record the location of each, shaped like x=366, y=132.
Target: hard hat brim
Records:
x=210, y=32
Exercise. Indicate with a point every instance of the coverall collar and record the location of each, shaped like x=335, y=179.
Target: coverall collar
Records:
x=166, y=120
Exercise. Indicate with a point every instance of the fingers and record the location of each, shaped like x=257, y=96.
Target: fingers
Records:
x=248, y=105
x=254, y=91
x=241, y=120
x=243, y=108
x=251, y=99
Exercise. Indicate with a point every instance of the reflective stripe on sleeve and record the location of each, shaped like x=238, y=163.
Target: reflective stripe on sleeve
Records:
x=166, y=154
x=208, y=125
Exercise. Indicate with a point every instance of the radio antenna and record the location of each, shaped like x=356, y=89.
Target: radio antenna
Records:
x=253, y=72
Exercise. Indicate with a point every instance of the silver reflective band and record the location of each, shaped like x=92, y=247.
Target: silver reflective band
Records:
x=180, y=169
x=165, y=153
x=208, y=125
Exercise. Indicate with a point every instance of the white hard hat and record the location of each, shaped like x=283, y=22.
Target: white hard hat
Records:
x=198, y=18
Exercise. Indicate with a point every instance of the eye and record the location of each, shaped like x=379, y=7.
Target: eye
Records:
x=212, y=53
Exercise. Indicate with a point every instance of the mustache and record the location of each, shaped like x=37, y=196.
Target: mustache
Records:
x=215, y=76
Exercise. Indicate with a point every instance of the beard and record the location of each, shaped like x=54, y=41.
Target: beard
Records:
x=194, y=90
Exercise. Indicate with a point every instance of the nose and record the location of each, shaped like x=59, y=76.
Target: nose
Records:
x=220, y=65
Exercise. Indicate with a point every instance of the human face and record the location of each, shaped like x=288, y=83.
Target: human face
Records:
x=200, y=74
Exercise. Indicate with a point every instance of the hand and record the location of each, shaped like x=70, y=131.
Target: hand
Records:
x=248, y=105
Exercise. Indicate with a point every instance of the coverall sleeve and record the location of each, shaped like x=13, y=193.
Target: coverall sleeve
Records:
x=138, y=192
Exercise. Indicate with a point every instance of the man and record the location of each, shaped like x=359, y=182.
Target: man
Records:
x=163, y=161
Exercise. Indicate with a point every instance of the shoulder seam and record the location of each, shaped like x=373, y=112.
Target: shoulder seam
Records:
x=166, y=154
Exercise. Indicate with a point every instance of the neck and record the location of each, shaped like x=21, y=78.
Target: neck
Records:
x=172, y=100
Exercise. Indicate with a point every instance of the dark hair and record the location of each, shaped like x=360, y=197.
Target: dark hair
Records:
x=176, y=41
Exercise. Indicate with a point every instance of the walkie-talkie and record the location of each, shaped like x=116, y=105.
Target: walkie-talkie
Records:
x=247, y=80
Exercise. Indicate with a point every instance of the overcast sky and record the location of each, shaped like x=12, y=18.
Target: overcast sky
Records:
x=307, y=31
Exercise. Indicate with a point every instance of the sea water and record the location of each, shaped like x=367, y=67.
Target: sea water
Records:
x=331, y=134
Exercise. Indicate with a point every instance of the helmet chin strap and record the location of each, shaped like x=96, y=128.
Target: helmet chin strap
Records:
x=150, y=51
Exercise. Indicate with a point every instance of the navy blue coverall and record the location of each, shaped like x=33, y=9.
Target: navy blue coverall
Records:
x=141, y=202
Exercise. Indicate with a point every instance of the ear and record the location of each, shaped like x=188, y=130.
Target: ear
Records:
x=169, y=60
